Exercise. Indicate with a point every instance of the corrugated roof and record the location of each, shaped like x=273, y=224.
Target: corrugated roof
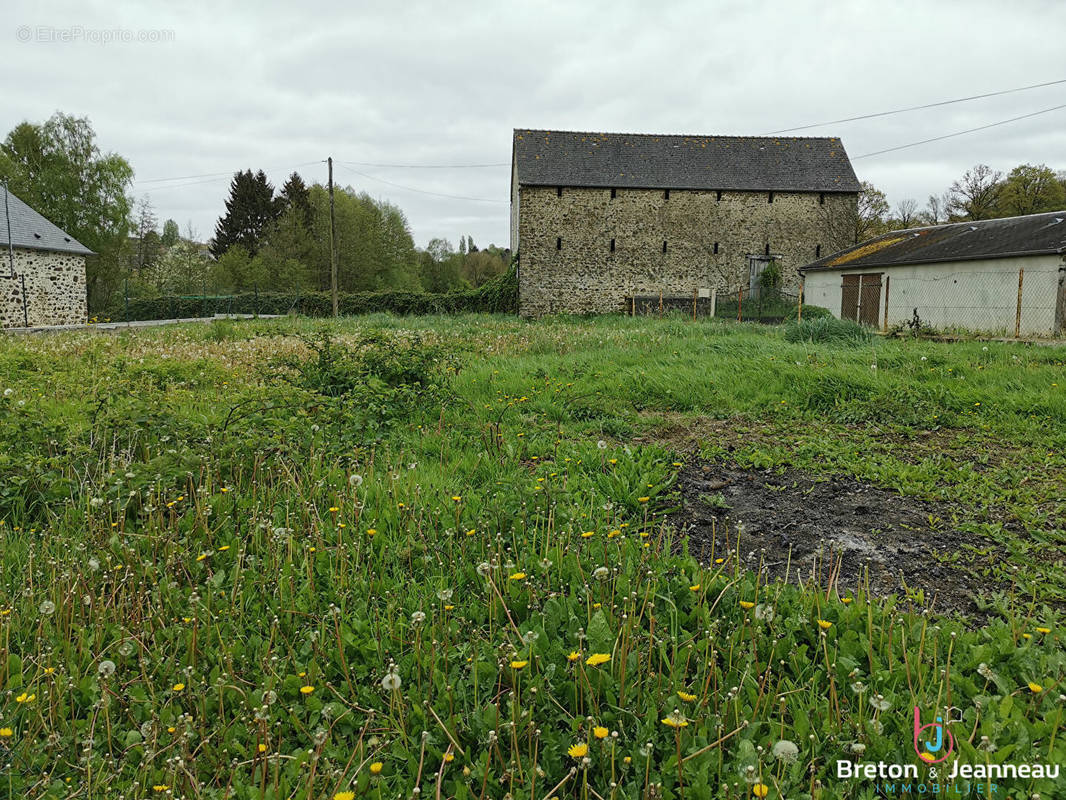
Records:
x=1034, y=234
x=31, y=230
x=652, y=161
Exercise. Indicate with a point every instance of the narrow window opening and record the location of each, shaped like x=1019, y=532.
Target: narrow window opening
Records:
x=716, y=248
x=821, y=198
x=718, y=196
x=614, y=193
x=818, y=251
x=558, y=191
x=666, y=194
x=612, y=245
x=770, y=197
x=558, y=242
x=767, y=249
x=664, y=247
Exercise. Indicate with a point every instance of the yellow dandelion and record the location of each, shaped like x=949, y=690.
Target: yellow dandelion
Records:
x=694, y=587
x=825, y=624
x=675, y=721
x=518, y=576
x=375, y=768
x=6, y=733
x=177, y=687
x=1035, y=688
x=471, y=532
x=202, y=556
x=627, y=760
x=344, y=796
x=262, y=748
x=845, y=600
x=598, y=658
x=688, y=698
x=613, y=534
x=600, y=732
x=1043, y=630
x=746, y=604
x=160, y=787
x=371, y=531
x=306, y=689
x=760, y=790
x=587, y=534
x=449, y=757
x=643, y=499
x=517, y=665
x=456, y=498
x=573, y=656
x=1027, y=636
x=223, y=548
x=578, y=750
x=25, y=698
x=333, y=509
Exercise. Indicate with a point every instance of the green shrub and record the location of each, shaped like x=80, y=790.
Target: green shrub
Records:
x=809, y=312
x=827, y=330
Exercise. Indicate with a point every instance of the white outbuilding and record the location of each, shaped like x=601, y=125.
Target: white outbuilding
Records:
x=996, y=276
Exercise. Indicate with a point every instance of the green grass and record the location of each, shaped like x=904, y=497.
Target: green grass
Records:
x=345, y=562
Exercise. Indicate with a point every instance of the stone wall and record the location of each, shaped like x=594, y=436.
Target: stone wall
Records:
x=566, y=263
x=55, y=288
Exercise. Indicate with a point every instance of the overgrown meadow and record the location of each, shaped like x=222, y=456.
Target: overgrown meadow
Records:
x=393, y=558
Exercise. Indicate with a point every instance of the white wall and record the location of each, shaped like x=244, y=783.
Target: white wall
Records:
x=972, y=295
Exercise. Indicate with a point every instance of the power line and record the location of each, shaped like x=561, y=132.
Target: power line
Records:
x=918, y=108
x=425, y=166
x=216, y=174
x=957, y=133
x=421, y=191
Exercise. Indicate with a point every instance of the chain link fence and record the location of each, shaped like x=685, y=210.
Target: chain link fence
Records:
x=766, y=305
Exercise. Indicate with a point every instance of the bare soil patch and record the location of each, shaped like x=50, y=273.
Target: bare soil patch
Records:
x=832, y=529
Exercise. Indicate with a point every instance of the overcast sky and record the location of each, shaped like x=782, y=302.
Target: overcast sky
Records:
x=281, y=85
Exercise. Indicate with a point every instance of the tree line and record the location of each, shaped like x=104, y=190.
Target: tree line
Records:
x=277, y=241
x=981, y=193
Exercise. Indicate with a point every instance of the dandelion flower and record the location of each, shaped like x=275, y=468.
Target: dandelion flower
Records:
x=1035, y=688
x=518, y=576
x=694, y=588
x=785, y=751
x=598, y=658
x=370, y=531
x=306, y=689
x=600, y=732
x=578, y=750
x=262, y=748
x=760, y=790
x=449, y=757
x=643, y=499
x=675, y=720
x=391, y=682
x=375, y=768
x=456, y=498
x=1043, y=630
x=825, y=624
x=574, y=656
x=6, y=733
x=160, y=787
x=178, y=687
x=517, y=665
x=25, y=698
x=344, y=796
x=688, y=698
x=587, y=534
x=746, y=604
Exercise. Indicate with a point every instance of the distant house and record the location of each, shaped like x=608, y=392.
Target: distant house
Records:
x=1004, y=276
x=42, y=269
x=599, y=217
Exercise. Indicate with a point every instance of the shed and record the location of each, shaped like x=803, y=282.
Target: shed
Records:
x=998, y=276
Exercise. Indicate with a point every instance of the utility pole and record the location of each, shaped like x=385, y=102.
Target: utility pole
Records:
x=332, y=243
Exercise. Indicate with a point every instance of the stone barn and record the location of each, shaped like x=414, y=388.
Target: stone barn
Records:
x=599, y=217
x=42, y=269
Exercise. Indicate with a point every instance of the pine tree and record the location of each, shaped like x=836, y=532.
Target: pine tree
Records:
x=296, y=195
x=250, y=210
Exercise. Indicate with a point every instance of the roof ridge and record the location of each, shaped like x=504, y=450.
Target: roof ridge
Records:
x=678, y=135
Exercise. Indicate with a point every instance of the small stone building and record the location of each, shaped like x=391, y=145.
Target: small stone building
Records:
x=599, y=217
x=997, y=276
x=42, y=269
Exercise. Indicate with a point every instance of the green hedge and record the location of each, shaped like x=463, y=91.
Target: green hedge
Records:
x=498, y=296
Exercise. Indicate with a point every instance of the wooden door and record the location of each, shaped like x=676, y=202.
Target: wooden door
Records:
x=860, y=298
x=849, y=298
x=870, y=299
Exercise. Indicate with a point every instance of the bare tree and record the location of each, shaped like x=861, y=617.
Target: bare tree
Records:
x=976, y=194
x=936, y=209
x=906, y=214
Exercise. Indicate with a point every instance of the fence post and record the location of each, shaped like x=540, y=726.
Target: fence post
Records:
x=633, y=306
x=799, y=310
x=127, y=293
x=714, y=301
x=1018, y=312
x=660, y=304
x=740, y=303
x=203, y=288
x=888, y=281
x=694, y=290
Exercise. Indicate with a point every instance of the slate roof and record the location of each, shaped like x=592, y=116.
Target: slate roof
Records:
x=652, y=161
x=30, y=230
x=1035, y=234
